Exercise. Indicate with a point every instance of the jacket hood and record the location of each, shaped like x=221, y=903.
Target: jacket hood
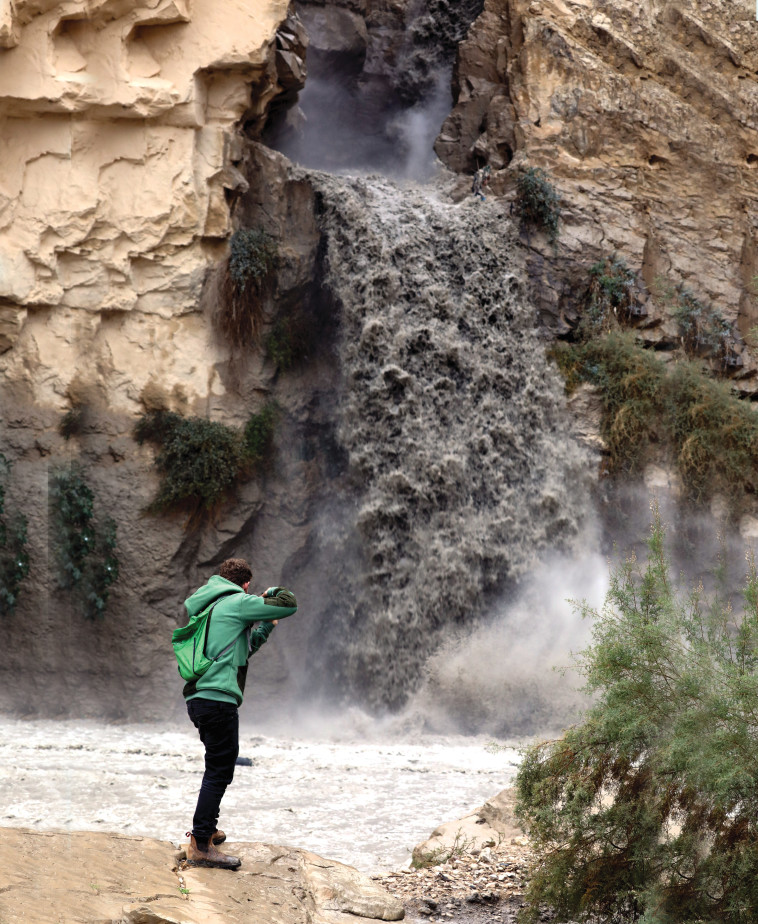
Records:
x=216, y=588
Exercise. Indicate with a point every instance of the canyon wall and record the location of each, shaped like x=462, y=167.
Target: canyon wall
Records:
x=121, y=135
x=131, y=150
x=645, y=117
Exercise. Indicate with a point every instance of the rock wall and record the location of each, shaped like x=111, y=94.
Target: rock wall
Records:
x=379, y=84
x=121, y=136
x=644, y=115
x=119, y=150
x=129, y=153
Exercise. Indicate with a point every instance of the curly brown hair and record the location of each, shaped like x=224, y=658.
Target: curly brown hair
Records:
x=236, y=570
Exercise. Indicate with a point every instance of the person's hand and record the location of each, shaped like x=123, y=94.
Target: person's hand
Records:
x=274, y=622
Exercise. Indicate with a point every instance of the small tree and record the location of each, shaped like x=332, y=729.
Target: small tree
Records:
x=648, y=809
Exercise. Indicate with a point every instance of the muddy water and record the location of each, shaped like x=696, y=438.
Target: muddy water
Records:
x=350, y=799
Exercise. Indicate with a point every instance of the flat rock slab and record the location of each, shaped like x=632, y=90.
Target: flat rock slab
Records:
x=94, y=878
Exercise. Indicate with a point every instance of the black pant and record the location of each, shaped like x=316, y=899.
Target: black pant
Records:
x=218, y=724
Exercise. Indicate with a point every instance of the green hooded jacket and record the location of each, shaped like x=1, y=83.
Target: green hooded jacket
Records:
x=233, y=617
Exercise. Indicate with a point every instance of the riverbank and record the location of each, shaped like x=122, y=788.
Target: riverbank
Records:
x=87, y=877
x=482, y=888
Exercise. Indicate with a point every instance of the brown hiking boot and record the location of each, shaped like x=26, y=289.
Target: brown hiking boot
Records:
x=210, y=856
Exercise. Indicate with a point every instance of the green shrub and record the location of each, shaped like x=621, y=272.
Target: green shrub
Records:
x=252, y=258
x=200, y=460
x=705, y=331
x=14, y=558
x=259, y=434
x=711, y=433
x=85, y=550
x=279, y=345
x=610, y=296
x=103, y=569
x=646, y=810
x=537, y=202
x=73, y=504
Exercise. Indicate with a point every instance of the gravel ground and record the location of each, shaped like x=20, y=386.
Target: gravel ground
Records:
x=474, y=888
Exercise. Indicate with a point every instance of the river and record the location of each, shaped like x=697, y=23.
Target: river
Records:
x=349, y=797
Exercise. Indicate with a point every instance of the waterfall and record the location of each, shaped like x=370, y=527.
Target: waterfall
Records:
x=462, y=470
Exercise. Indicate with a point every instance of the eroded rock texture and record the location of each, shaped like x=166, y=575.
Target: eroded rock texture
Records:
x=119, y=151
x=129, y=153
x=121, y=141
x=644, y=114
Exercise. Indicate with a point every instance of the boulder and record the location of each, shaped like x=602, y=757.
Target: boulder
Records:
x=490, y=825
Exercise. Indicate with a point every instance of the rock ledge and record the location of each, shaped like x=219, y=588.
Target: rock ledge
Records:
x=84, y=877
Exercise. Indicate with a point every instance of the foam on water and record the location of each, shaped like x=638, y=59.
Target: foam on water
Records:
x=361, y=801
x=463, y=471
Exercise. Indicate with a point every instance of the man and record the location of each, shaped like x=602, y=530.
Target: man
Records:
x=212, y=700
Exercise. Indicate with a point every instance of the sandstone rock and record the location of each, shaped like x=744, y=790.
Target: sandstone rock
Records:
x=114, y=178
x=89, y=877
x=490, y=825
x=109, y=224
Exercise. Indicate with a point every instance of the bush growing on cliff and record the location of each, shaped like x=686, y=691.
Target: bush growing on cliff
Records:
x=647, y=810
x=251, y=260
x=610, y=297
x=85, y=550
x=711, y=433
x=705, y=331
x=259, y=434
x=537, y=202
x=14, y=558
x=200, y=460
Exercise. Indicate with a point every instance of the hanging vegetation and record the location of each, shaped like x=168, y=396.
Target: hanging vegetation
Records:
x=537, y=202
x=200, y=460
x=85, y=549
x=252, y=259
x=648, y=405
x=610, y=297
x=14, y=558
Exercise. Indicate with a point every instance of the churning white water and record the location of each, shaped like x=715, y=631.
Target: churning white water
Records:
x=463, y=468
x=348, y=798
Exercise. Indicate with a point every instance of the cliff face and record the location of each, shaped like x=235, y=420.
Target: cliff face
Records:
x=121, y=139
x=130, y=151
x=644, y=115
x=120, y=145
